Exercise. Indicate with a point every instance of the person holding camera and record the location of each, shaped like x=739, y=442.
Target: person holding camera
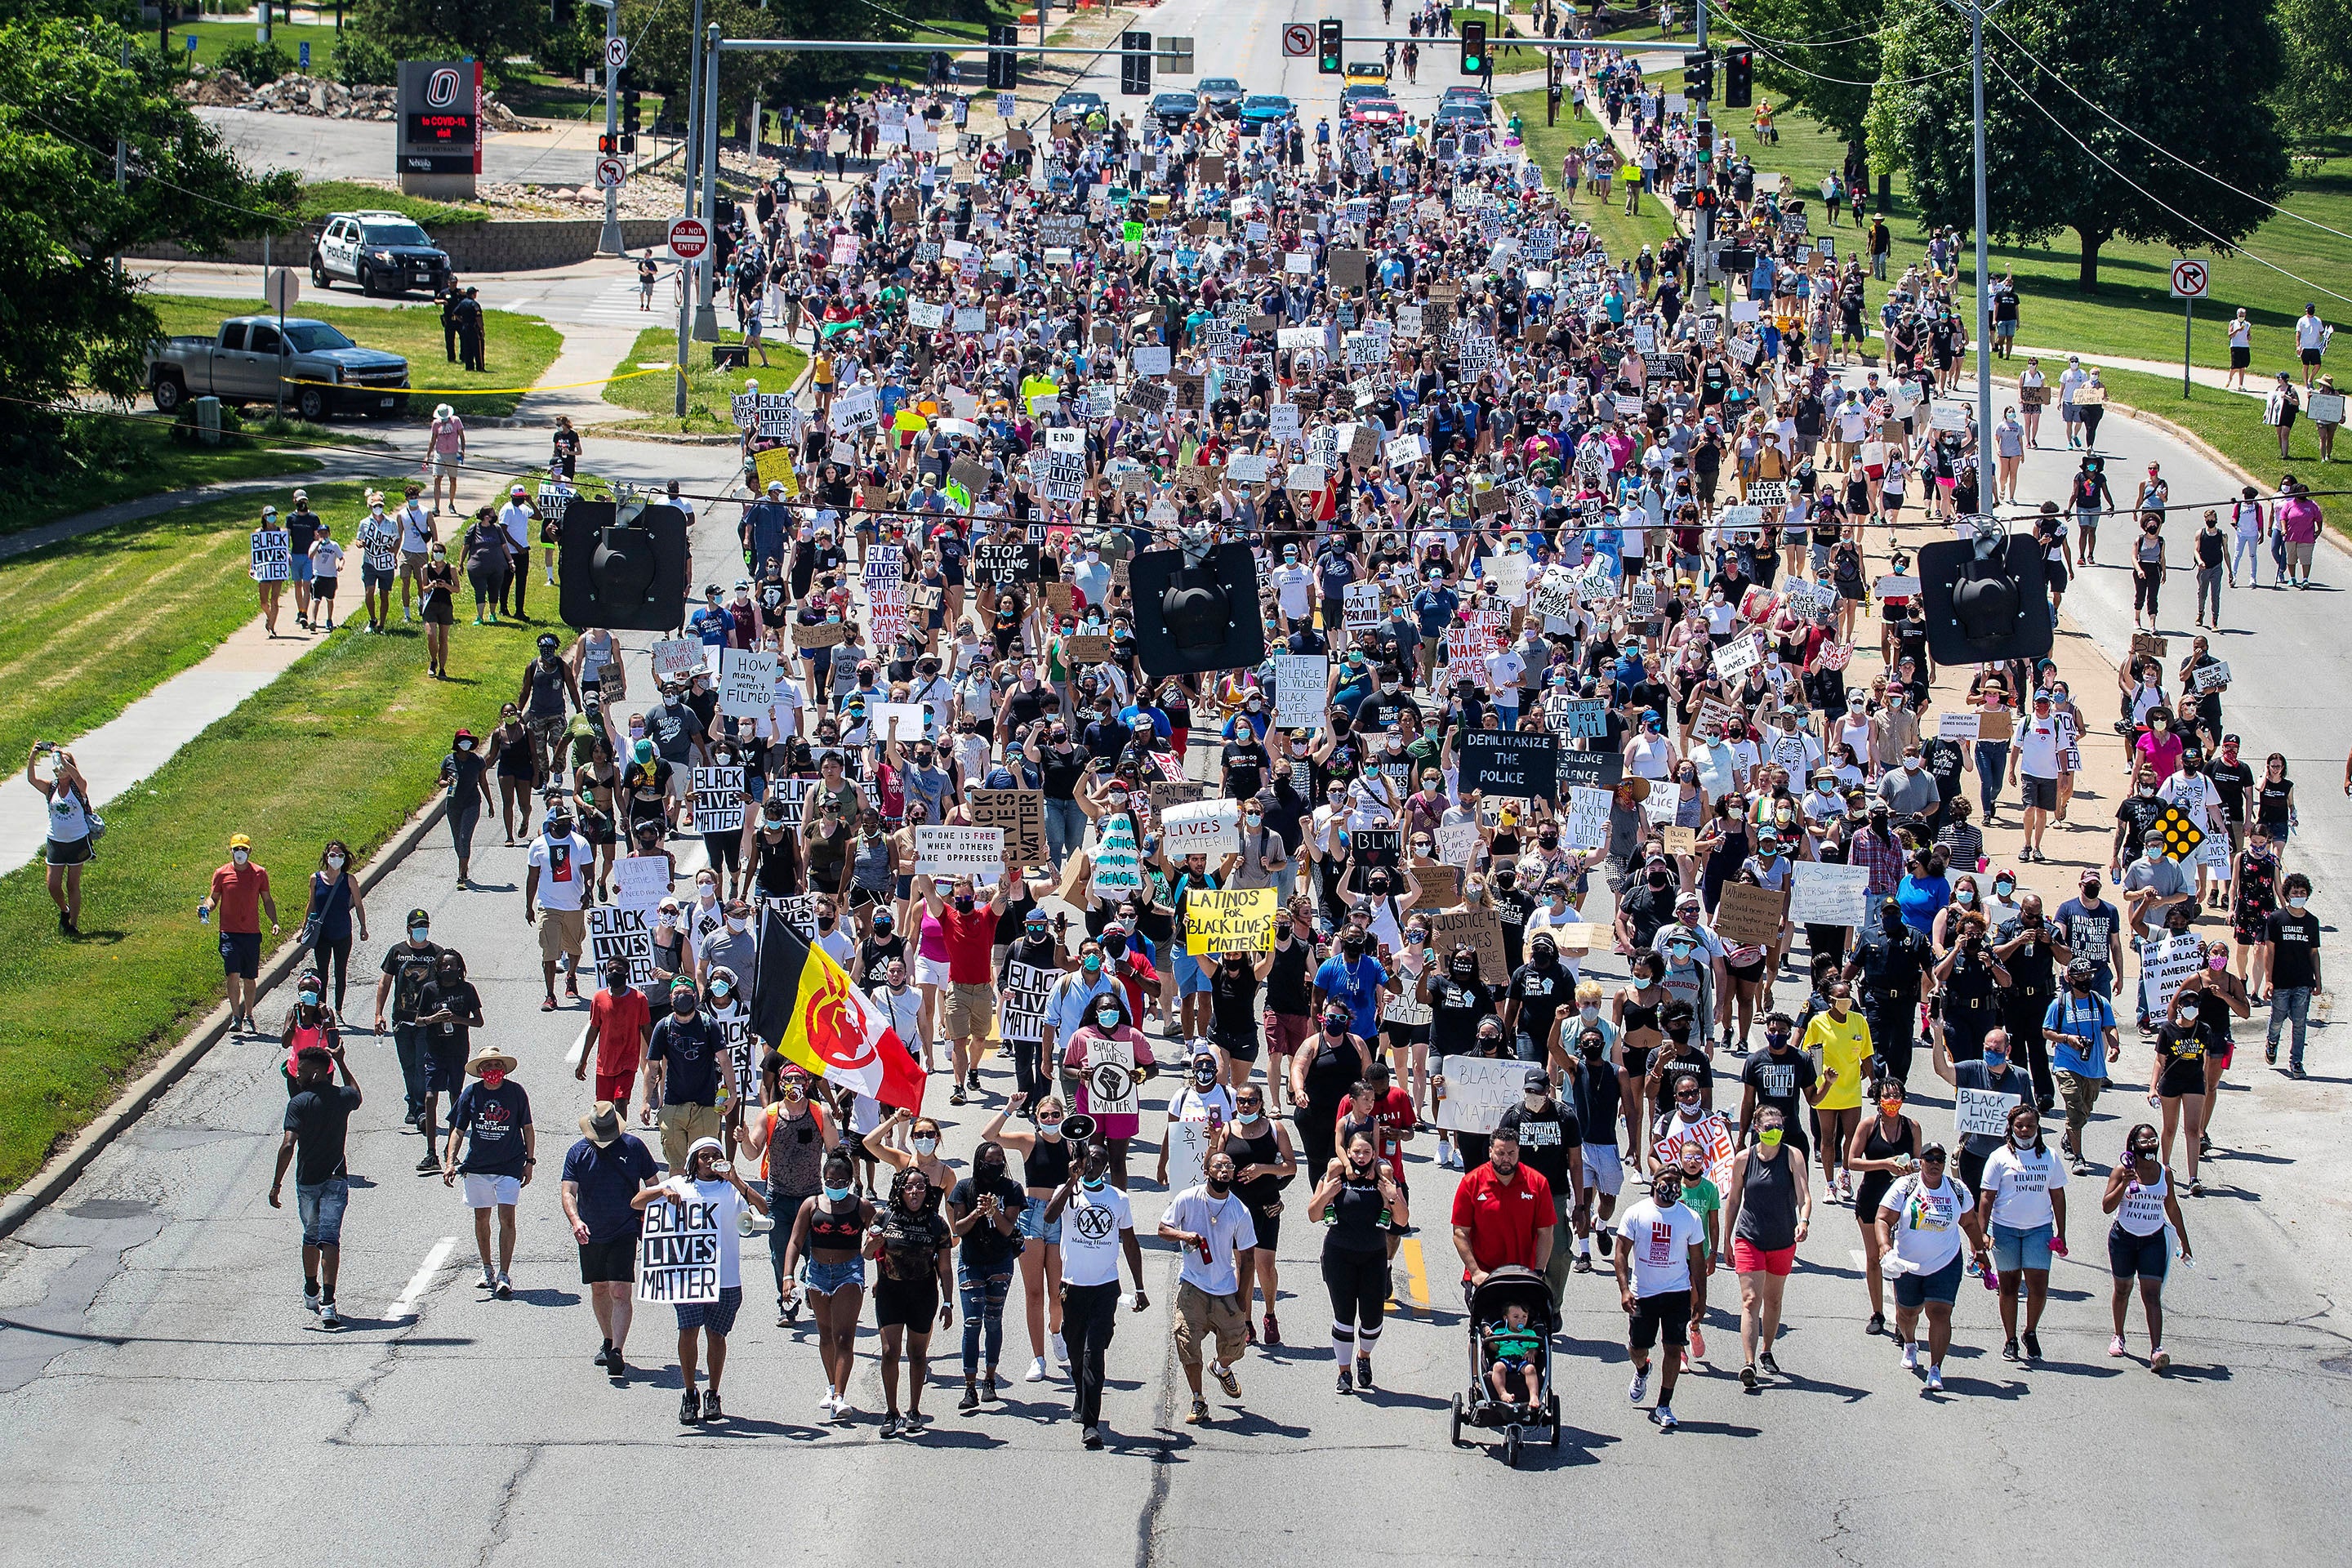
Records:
x=74, y=827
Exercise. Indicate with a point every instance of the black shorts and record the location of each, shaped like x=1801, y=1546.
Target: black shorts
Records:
x=68, y=852
x=240, y=954
x=2041, y=795
x=909, y=1303
x=2311, y=356
x=611, y=1262
x=2239, y=358
x=1669, y=1313
x=445, y=1068
x=1269, y=1229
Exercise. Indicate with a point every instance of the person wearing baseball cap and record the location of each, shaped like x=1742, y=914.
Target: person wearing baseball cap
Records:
x=302, y=527
x=603, y=1174
x=240, y=895
x=492, y=1119
x=708, y=1181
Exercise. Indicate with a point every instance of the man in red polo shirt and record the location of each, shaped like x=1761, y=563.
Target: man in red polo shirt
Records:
x=240, y=894
x=970, y=927
x=1502, y=1212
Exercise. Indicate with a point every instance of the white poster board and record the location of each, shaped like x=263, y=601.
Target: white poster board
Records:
x=677, y=1250
x=1824, y=894
x=958, y=851
x=1478, y=1091
x=1210, y=827
x=1301, y=687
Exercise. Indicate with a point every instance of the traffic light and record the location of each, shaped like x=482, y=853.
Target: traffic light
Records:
x=1179, y=53
x=607, y=144
x=1135, y=63
x=1326, y=47
x=1698, y=77
x=1003, y=67
x=1706, y=144
x=1474, y=48
x=623, y=576
x=1988, y=597
x=1191, y=619
x=1738, y=77
x=632, y=118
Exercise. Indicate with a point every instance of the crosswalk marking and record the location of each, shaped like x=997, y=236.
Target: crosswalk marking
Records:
x=618, y=302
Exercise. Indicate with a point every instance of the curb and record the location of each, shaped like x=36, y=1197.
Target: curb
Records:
x=63, y=1169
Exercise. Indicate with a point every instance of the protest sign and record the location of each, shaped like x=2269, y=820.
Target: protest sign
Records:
x=1363, y=601
x=913, y=720
x=625, y=934
x=1750, y=916
x=678, y=658
x=273, y=555
x=1959, y=727
x=958, y=851
x=1981, y=1112
x=678, y=1247
x=1577, y=718
x=640, y=881
x=1018, y=813
x=717, y=799
x=1710, y=1135
x=1457, y=843
x=1110, y=1077
x=1587, y=822
x=1482, y=928
x=1476, y=1092
x=1210, y=827
x=1523, y=764
x=1825, y=894
x=1301, y=683
x=747, y=683
x=1440, y=885
x=1021, y=1007
x=2164, y=964
x=1239, y=920
x=1735, y=658
x=1590, y=770
x=1117, y=863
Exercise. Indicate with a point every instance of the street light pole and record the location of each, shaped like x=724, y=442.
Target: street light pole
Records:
x=706, y=315
x=1705, y=269
x=687, y=158
x=1976, y=12
x=610, y=241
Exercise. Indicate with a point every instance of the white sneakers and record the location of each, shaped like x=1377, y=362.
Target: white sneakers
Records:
x=1062, y=1351
x=1036, y=1371
x=1910, y=1357
x=1639, y=1386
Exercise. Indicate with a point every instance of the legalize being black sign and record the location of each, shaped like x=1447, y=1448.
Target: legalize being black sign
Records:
x=1521, y=763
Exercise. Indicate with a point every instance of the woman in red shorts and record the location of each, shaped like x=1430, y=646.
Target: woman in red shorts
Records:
x=1771, y=1201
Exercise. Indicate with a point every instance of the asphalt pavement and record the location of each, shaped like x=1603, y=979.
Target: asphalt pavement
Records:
x=152, y=1317
x=324, y=149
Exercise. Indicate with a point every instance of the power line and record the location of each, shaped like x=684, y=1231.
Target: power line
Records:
x=1788, y=65
x=2051, y=72
x=1749, y=34
x=2175, y=212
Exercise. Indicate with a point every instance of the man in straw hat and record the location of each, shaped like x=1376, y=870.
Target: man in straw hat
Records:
x=492, y=1121
x=603, y=1174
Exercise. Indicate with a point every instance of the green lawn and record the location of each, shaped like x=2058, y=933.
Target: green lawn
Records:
x=707, y=391
x=1620, y=235
x=150, y=464
x=320, y=197
x=518, y=351
x=102, y=619
x=2232, y=422
x=344, y=744
x=212, y=37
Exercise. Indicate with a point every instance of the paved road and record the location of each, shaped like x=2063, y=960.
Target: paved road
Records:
x=156, y=1308
x=600, y=292
x=325, y=149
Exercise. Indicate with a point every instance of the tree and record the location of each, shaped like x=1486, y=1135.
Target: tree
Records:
x=2314, y=95
x=2193, y=78
x=486, y=30
x=658, y=48
x=1822, y=53
x=72, y=317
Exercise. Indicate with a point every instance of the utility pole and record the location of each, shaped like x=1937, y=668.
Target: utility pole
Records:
x=1976, y=12
x=687, y=159
x=610, y=242
x=1705, y=270
x=706, y=315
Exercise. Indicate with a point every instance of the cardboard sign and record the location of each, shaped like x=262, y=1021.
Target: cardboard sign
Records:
x=1750, y=916
x=1521, y=763
x=1021, y=1006
x=824, y=634
x=718, y=800
x=1478, y=1091
x=1482, y=929
x=1301, y=684
x=679, y=1248
x=976, y=852
x=1983, y=1112
x=1239, y=921
x=1679, y=840
x=1825, y=894
x=1109, y=1076
x=1019, y=814
x=1440, y=884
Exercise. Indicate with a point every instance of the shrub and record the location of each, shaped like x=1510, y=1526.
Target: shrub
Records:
x=258, y=63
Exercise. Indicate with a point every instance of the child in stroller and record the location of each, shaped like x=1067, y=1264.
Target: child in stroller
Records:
x=1516, y=1348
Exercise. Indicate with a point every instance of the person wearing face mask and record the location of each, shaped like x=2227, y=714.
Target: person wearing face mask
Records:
x=1971, y=980
x=1212, y=1230
x=1770, y=1203
x=1893, y=963
x=2288, y=967
x=967, y=928
x=1108, y=1058
x=730, y=944
x=1263, y=1165
x=2139, y=1194
x=240, y=896
x=1047, y=1158
x=792, y=1135
x=560, y=864
x=317, y=1124
x=335, y=902
x=492, y=1119
x=1921, y=1224
x=465, y=774
x=911, y=1245
x=1993, y=1074
x=1662, y=1271
x=1780, y=1078
x=1552, y=1141
x=829, y=1233
x=1097, y=1227
x=685, y=1059
x=447, y=1012
x=1885, y=1148
x=2033, y=950
x=984, y=1212
x=1359, y=1202
x=2021, y=1203
x=1844, y=1038
x=1324, y=1071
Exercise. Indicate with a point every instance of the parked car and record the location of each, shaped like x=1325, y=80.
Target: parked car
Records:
x=1375, y=111
x=1221, y=96
x=1175, y=109
x=1366, y=73
x=1260, y=110
x=1358, y=92
x=1079, y=106
x=324, y=371
x=383, y=253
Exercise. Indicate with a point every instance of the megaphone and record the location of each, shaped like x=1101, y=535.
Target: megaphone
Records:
x=1078, y=1127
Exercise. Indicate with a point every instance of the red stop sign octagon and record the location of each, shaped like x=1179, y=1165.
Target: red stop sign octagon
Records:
x=688, y=238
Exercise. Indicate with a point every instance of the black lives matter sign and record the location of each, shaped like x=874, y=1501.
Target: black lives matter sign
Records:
x=1510, y=762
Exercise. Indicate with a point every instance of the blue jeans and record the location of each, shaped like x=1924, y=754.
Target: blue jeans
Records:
x=982, y=1301
x=2290, y=1004
x=1992, y=762
x=321, y=1209
x=1065, y=828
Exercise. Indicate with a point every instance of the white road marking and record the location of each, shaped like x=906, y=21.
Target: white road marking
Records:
x=422, y=1280
x=1861, y=1263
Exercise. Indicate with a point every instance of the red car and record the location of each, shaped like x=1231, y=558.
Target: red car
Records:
x=1375, y=111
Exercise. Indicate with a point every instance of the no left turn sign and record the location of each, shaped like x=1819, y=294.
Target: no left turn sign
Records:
x=1298, y=40
x=611, y=173
x=2191, y=280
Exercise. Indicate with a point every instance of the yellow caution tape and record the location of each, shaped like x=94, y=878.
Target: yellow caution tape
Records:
x=489, y=391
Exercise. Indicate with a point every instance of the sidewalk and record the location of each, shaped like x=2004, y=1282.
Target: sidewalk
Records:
x=589, y=355
x=336, y=463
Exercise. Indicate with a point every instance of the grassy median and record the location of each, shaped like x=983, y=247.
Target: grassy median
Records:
x=707, y=390
x=344, y=744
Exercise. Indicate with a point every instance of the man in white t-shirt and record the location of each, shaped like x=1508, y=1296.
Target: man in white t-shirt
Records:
x=711, y=1190
x=2038, y=759
x=1294, y=589
x=1097, y=1225
x=556, y=886
x=1660, y=1257
x=1208, y=1224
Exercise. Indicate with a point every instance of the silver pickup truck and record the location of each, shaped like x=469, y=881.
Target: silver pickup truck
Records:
x=325, y=373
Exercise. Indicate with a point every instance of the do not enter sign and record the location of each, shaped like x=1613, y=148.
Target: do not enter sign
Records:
x=688, y=238
x=2191, y=280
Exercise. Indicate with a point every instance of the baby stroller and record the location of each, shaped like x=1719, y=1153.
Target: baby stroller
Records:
x=1502, y=1289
